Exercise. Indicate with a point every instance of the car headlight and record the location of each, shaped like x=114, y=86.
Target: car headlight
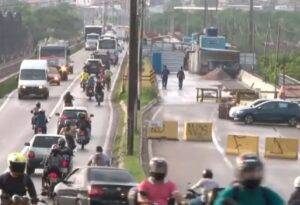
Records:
x=238, y=112
x=63, y=68
x=41, y=87
x=55, y=78
x=22, y=86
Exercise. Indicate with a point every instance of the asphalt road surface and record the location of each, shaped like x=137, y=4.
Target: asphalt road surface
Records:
x=188, y=159
x=15, y=117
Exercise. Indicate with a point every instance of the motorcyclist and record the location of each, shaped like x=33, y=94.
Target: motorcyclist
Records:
x=99, y=89
x=206, y=184
x=99, y=158
x=52, y=163
x=107, y=75
x=156, y=189
x=84, y=76
x=35, y=111
x=15, y=181
x=41, y=122
x=295, y=196
x=64, y=150
x=247, y=190
x=69, y=132
x=83, y=123
x=164, y=75
x=68, y=99
x=181, y=77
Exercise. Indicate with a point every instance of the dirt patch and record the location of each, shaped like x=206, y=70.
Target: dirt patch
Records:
x=217, y=74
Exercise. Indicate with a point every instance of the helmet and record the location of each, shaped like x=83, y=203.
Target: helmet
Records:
x=68, y=93
x=297, y=182
x=81, y=115
x=68, y=123
x=61, y=142
x=158, y=166
x=249, y=162
x=38, y=104
x=54, y=148
x=207, y=173
x=16, y=162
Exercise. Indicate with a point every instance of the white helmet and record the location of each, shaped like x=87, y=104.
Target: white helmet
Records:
x=297, y=182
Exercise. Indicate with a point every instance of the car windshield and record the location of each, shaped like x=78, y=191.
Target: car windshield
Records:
x=33, y=74
x=107, y=44
x=45, y=141
x=72, y=114
x=110, y=175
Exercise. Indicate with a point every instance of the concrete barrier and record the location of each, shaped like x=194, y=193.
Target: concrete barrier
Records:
x=198, y=131
x=282, y=148
x=240, y=144
x=163, y=130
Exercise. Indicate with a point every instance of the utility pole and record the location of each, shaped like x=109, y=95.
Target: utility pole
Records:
x=251, y=27
x=277, y=56
x=132, y=76
x=205, y=13
x=141, y=36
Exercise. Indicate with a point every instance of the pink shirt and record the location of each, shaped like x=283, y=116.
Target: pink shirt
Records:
x=158, y=193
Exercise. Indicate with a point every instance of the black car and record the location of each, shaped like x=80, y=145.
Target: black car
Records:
x=270, y=111
x=95, y=185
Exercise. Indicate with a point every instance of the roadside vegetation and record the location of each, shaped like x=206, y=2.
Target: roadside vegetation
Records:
x=147, y=94
x=62, y=21
x=8, y=86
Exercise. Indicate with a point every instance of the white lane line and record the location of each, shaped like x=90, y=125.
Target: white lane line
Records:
x=111, y=113
x=62, y=96
x=7, y=99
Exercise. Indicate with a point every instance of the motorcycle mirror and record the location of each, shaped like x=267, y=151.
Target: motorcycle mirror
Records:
x=27, y=144
x=57, y=114
x=31, y=111
x=67, y=182
x=91, y=115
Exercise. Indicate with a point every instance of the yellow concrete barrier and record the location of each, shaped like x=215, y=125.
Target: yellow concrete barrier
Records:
x=163, y=130
x=282, y=148
x=241, y=144
x=198, y=131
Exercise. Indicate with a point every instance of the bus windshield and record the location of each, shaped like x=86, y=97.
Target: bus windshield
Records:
x=56, y=52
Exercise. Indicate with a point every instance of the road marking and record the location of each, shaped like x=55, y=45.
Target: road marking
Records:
x=111, y=113
x=7, y=99
x=156, y=113
x=62, y=96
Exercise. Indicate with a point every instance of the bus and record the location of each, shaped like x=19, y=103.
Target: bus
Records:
x=109, y=44
x=92, y=29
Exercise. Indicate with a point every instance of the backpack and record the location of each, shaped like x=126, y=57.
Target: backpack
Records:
x=237, y=189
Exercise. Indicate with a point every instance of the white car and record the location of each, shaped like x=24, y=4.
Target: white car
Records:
x=234, y=109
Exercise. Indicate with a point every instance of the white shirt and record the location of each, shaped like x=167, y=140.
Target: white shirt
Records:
x=205, y=185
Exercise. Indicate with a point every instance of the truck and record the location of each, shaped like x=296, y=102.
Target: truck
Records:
x=97, y=29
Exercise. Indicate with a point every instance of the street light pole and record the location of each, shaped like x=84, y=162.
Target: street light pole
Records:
x=132, y=77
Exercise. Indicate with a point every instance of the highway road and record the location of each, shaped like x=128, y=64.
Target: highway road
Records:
x=188, y=159
x=15, y=116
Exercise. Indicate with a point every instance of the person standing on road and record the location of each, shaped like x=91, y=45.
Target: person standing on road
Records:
x=157, y=189
x=164, y=75
x=248, y=190
x=107, y=75
x=99, y=158
x=295, y=197
x=181, y=77
x=206, y=184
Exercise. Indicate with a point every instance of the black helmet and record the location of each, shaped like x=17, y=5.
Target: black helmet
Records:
x=158, y=168
x=38, y=104
x=81, y=115
x=61, y=142
x=68, y=123
x=249, y=162
x=207, y=173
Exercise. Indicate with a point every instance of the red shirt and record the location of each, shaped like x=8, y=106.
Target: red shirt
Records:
x=158, y=194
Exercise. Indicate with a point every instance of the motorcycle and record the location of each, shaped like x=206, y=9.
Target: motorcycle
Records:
x=18, y=200
x=82, y=138
x=99, y=97
x=90, y=92
x=39, y=130
x=68, y=104
x=83, y=84
x=53, y=178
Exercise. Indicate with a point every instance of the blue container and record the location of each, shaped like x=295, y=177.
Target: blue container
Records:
x=156, y=62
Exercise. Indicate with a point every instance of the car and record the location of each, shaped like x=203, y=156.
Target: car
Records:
x=69, y=113
x=277, y=111
x=54, y=76
x=38, y=149
x=95, y=185
x=94, y=66
x=234, y=109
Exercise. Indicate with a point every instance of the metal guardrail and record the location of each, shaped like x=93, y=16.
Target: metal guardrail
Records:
x=288, y=80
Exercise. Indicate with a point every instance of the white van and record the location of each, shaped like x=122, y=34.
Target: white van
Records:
x=33, y=79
